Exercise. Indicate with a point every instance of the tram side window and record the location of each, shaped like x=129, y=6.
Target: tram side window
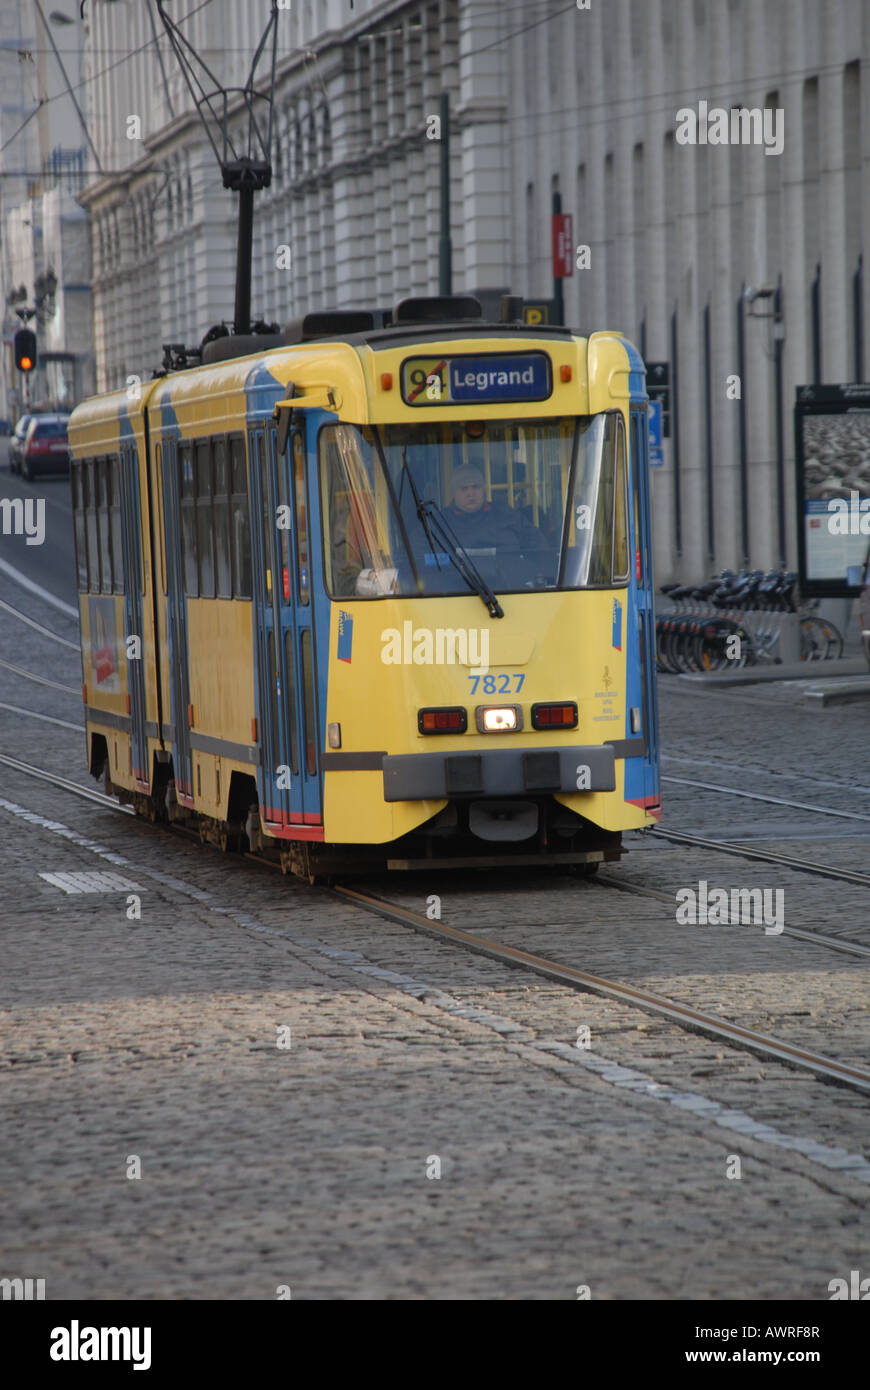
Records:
x=105, y=542
x=347, y=466
x=113, y=495
x=619, y=567
x=222, y=530
x=308, y=705
x=597, y=554
x=284, y=511
x=158, y=454
x=301, y=517
x=96, y=493
x=204, y=518
x=79, y=477
x=637, y=463
x=89, y=470
x=241, y=522
x=187, y=495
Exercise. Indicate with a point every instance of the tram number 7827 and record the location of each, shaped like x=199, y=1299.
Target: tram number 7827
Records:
x=504, y=688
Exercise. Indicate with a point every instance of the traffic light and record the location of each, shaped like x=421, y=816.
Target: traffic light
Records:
x=25, y=350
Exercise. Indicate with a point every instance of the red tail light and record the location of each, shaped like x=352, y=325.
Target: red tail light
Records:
x=556, y=716
x=452, y=719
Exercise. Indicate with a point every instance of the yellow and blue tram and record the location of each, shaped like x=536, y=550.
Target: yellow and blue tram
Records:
x=376, y=595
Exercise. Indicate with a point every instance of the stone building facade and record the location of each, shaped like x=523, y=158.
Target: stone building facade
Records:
x=585, y=101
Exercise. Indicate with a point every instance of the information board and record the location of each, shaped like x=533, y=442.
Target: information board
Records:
x=832, y=461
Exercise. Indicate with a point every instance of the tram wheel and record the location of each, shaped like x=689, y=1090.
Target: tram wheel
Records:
x=582, y=870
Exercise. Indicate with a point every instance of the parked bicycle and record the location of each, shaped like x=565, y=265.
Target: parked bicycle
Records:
x=736, y=619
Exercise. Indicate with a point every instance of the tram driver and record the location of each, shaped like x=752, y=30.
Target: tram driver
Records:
x=494, y=528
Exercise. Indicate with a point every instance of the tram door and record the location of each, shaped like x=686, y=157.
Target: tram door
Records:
x=178, y=488
x=289, y=737
x=642, y=543
x=131, y=541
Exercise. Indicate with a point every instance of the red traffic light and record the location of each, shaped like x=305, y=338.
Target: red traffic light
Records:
x=25, y=349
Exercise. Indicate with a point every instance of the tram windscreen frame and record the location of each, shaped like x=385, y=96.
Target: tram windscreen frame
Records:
x=551, y=513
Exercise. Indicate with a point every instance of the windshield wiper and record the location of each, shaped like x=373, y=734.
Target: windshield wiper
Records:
x=438, y=531
x=433, y=521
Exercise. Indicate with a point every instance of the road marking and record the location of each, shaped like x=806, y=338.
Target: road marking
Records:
x=46, y=631
x=41, y=680
x=58, y=828
x=6, y=568
x=31, y=714
x=91, y=882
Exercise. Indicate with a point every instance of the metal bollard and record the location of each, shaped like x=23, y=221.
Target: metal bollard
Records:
x=788, y=647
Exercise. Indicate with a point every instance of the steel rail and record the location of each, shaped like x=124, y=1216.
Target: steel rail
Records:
x=834, y=943
x=694, y=1020
x=66, y=785
x=807, y=866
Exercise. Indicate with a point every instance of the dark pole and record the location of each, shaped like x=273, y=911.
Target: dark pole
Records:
x=778, y=349
x=858, y=316
x=558, y=297
x=744, y=467
x=675, y=437
x=816, y=310
x=242, y=312
x=708, y=410
x=445, y=248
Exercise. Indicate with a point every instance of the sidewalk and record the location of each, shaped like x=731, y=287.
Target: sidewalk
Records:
x=799, y=670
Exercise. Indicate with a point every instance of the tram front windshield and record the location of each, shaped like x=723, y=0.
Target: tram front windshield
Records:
x=531, y=504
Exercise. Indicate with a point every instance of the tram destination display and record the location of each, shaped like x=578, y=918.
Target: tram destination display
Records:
x=832, y=458
x=463, y=380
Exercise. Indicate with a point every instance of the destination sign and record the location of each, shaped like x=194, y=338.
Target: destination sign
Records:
x=468, y=380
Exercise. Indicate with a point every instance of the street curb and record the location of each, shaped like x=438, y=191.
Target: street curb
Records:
x=759, y=675
x=846, y=694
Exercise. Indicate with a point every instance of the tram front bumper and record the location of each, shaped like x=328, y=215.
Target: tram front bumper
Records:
x=501, y=772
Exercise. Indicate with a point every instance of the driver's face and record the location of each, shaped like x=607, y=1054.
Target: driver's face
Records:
x=468, y=497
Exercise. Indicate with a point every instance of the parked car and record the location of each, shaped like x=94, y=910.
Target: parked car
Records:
x=16, y=443
x=46, y=446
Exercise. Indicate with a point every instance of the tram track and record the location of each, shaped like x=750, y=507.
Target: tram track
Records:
x=785, y=861
x=685, y=1016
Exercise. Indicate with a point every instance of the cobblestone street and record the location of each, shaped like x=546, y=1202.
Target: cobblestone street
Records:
x=314, y=1165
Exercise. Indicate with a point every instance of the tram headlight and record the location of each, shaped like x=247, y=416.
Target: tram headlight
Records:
x=499, y=719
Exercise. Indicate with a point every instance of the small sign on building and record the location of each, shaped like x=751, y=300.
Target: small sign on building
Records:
x=658, y=385
x=563, y=245
x=656, y=453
